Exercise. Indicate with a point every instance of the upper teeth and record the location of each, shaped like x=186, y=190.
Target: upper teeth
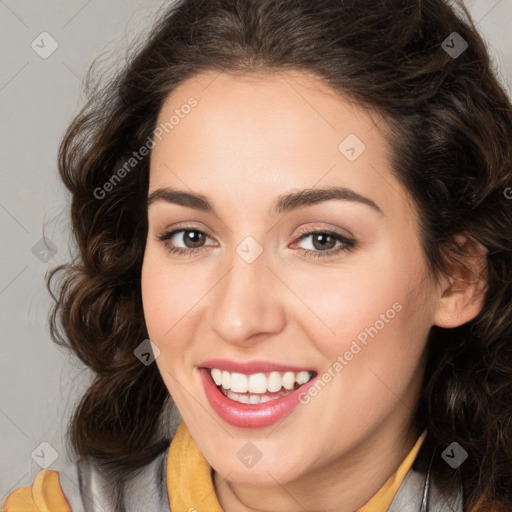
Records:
x=258, y=382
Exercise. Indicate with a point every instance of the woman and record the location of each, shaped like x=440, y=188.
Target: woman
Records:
x=303, y=205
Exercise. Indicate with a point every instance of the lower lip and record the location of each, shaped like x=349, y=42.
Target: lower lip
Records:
x=250, y=415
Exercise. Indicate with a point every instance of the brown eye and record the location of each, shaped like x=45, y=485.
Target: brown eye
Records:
x=323, y=241
x=184, y=241
x=193, y=239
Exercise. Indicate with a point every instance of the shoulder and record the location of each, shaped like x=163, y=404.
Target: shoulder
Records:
x=45, y=494
x=81, y=482
x=54, y=491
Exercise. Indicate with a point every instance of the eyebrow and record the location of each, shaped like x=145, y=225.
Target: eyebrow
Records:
x=284, y=203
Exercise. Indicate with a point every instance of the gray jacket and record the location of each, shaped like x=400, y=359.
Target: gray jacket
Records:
x=86, y=490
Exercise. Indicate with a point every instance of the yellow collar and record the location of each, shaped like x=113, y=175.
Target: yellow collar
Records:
x=190, y=485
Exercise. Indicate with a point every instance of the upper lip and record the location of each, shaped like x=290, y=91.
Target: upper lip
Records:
x=250, y=367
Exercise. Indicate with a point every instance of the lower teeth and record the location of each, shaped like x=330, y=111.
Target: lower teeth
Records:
x=254, y=398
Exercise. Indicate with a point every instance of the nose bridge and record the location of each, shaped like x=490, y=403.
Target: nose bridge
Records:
x=243, y=302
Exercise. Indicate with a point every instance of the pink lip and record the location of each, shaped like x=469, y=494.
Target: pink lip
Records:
x=250, y=367
x=250, y=415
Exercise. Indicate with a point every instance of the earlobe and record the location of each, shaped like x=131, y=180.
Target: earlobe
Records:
x=462, y=292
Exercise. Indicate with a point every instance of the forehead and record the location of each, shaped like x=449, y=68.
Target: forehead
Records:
x=269, y=131
x=271, y=100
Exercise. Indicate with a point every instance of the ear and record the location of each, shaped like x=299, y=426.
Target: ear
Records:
x=462, y=289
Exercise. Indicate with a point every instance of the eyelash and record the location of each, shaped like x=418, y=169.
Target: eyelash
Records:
x=348, y=244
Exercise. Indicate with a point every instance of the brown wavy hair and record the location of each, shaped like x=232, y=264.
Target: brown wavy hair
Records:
x=451, y=140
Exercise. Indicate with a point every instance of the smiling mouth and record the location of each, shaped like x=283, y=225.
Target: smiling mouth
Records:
x=258, y=388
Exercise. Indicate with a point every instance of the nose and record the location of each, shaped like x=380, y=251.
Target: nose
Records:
x=247, y=302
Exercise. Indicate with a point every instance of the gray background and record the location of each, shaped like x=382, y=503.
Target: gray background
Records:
x=40, y=383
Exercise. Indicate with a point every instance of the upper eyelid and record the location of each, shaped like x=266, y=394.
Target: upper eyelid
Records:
x=204, y=229
x=318, y=229
x=174, y=230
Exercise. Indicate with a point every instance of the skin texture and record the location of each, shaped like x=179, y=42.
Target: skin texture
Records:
x=250, y=139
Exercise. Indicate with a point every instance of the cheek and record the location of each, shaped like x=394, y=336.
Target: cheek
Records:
x=384, y=300
x=162, y=296
x=154, y=300
x=163, y=305
x=173, y=297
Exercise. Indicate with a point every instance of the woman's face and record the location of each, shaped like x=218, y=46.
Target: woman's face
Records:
x=267, y=305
